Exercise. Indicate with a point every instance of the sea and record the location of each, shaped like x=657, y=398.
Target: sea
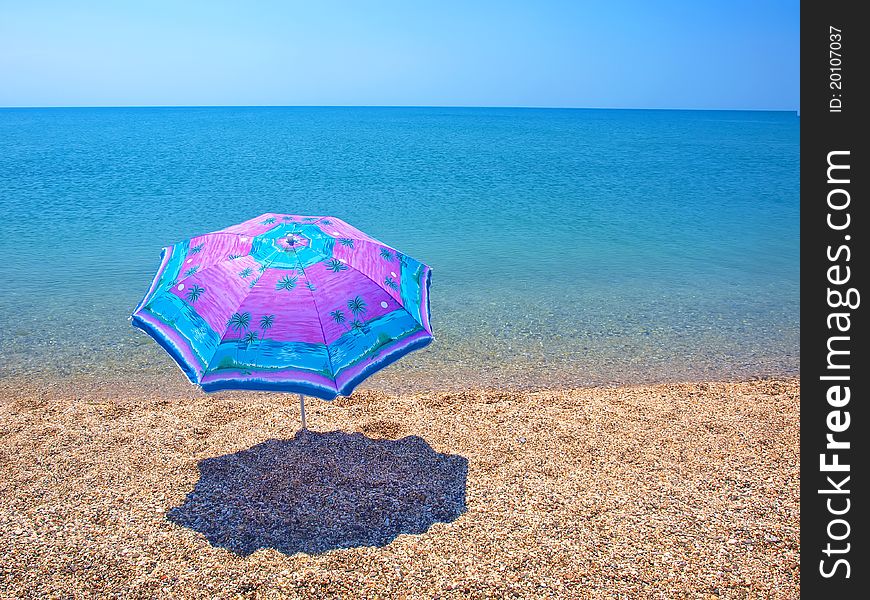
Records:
x=569, y=247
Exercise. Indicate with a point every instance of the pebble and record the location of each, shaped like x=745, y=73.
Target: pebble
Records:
x=631, y=492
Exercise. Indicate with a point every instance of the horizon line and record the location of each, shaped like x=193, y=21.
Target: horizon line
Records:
x=787, y=110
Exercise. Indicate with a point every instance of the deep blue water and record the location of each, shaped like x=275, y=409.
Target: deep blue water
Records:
x=575, y=246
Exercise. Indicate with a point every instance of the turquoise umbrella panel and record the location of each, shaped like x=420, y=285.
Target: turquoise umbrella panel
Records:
x=286, y=302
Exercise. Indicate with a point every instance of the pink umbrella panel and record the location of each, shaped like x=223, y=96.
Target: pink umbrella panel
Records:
x=291, y=303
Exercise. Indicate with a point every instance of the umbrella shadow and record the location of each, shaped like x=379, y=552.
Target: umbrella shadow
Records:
x=321, y=491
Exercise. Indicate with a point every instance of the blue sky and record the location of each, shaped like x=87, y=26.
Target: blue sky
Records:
x=608, y=54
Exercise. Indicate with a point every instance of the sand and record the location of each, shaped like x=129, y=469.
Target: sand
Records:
x=659, y=491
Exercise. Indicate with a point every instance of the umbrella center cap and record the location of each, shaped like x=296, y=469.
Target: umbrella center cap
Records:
x=292, y=242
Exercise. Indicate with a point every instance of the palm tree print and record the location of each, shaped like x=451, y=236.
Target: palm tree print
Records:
x=266, y=322
x=326, y=222
x=287, y=283
x=386, y=254
x=191, y=271
x=269, y=221
x=239, y=321
x=287, y=218
x=356, y=324
x=337, y=316
x=234, y=256
x=391, y=283
x=262, y=268
x=346, y=242
x=197, y=249
x=336, y=265
x=357, y=306
x=194, y=293
x=310, y=286
x=245, y=273
x=250, y=338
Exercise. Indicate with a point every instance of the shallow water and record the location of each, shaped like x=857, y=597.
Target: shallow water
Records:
x=567, y=246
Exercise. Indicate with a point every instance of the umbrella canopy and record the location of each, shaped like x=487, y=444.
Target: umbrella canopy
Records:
x=286, y=303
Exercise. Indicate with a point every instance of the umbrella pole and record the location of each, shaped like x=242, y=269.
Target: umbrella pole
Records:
x=302, y=411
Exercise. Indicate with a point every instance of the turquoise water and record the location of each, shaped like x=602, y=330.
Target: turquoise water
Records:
x=567, y=246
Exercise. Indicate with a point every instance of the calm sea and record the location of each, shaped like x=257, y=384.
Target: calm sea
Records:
x=567, y=246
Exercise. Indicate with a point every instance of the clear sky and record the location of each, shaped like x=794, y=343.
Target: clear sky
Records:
x=739, y=54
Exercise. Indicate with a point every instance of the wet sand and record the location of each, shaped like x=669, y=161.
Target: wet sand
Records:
x=673, y=490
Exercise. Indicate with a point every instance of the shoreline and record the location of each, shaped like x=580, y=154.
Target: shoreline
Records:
x=684, y=489
x=402, y=380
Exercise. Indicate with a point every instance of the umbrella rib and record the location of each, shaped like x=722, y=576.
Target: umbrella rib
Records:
x=317, y=221
x=202, y=235
x=324, y=236
x=379, y=286
x=204, y=269
x=319, y=322
x=227, y=328
x=388, y=247
x=327, y=236
x=388, y=294
x=377, y=244
x=247, y=224
x=160, y=291
x=369, y=239
x=199, y=272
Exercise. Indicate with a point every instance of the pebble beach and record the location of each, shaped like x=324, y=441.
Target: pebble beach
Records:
x=152, y=489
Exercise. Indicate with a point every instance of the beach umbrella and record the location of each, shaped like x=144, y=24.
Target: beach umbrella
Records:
x=288, y=303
